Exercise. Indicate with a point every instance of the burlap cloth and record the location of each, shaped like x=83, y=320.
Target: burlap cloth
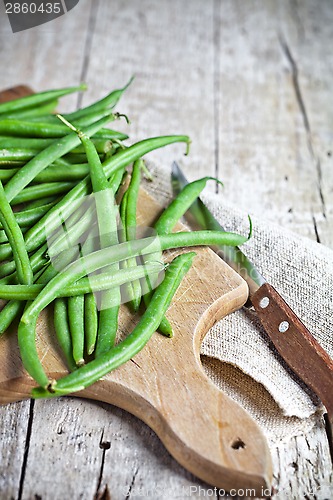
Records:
x=252, y=372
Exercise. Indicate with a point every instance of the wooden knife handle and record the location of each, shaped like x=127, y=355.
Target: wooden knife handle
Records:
x=295, y=343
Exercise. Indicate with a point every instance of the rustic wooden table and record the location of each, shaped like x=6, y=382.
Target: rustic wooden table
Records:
x=251, y=83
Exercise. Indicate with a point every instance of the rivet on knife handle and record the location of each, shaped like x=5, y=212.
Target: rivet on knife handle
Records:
x=295, y=343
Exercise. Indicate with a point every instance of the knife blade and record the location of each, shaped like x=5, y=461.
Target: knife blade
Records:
x=291, y=338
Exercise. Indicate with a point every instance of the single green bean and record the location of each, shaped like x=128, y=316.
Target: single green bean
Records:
x=63, y=173
x=107, y=223
x=38, y=260
x=28, y=217
x=36, y=100
x=84, y=286
x=12, y=163
x=7, y=173
x=108, y=102
x=50, y=127
x=112, y=135
x=9, y=312
x=75, y=306
x=129, y=223
x=41, y=191
x=16, y=154
x=131, y=345
x=61, y=325
x=90, y=322
x=108, y=316
x=93, y=262
x=34, y=112
x=14, y=307
x=16, y=240
x=3, y=235
x=179, y=206
x=102, y=145
x=39, y=203
x=24, y=128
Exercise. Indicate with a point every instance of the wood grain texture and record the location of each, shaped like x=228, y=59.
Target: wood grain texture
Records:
x=231, y=81
x=295, y=343
x=165, y=385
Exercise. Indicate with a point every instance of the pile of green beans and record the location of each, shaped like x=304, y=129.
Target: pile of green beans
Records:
x=83, y=257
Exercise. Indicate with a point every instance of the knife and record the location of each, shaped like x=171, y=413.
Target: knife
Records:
x=292, y=339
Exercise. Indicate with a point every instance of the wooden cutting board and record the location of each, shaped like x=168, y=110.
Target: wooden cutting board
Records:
x=165, y=385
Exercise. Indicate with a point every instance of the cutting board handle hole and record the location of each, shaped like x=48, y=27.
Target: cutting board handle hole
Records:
x=238, y=444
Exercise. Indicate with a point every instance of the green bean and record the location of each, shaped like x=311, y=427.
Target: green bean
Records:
x=108, y=102
x=91, y=117
x=63, y=334
x=102, y=145
x=77, y=158
x=35, y=112
x=14, y=307
x=57, y=149
x=77, y=314
x=112, y=135
x=108, y=316
x=36, y=235
x=129, y=223
x=38, y=260
x=53, y=174
x=11, y=163
x=21, y=128
x=16, y=241
x=16, y=154
x=7, y=173
x=179, y=206
x=75, y=306
x=3, y=235
x=40, y=202
x=84, y=286
x=90, y=306
x=28, y=217
x=50, y=127
x=8, y=313
x=90, y=322
x=36, y=100
x=41, y=191
x=63, y=173
x=93, y=262
x=107, y=223
x=131, y=345
x=78, y=223
x=22, y=264
x=169, y=218
x=105, y=257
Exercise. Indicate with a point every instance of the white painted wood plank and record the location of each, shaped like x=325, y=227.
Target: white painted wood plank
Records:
x=263, y=146
x=89, y=448
x=303, y=471
x=311, y=39
x=14, y=420
x=168, y=46
x=47, y=56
